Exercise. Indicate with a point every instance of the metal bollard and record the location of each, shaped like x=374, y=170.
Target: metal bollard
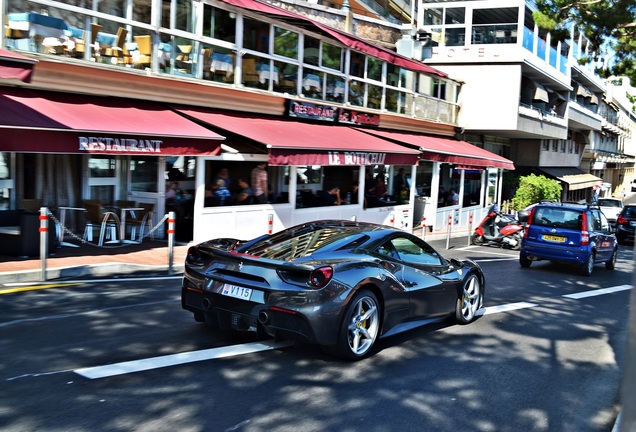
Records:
x=392, y=219
x=470, y=226
x=448, y=230
x=423, y=227
x=270, y=224
x=171, y=232
x=44, y=240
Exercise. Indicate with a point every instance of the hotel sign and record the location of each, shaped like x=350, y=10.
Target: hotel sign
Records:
x=311, y=111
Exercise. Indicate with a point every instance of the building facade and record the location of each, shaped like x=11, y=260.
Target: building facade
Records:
x=137, y=100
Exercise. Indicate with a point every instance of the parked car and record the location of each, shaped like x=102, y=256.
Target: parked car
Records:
x=626, y=224
x=339, y=284
x=610, y=207
x=577, y=234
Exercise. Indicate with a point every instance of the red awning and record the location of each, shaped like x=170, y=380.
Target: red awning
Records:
x=33, y=121
x=15, y=66
x=297, y=143
x=346, y=39
x=447, y=150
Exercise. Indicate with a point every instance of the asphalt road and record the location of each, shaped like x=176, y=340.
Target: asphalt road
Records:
x=547, y=355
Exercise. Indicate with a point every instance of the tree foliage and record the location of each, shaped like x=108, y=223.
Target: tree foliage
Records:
x=533, y=189
x=603, y=22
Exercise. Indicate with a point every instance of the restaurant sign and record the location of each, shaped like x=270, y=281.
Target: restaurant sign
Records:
x=311, y=111
x=119, y=145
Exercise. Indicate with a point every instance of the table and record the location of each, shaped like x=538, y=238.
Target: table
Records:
x=222, y=62
x=122, y=222
x=312, y=80
x=35, y=23
x=63, y=226
x=264, y=73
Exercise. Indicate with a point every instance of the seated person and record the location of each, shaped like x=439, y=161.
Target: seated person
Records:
x=245, y=195
x=329, y=197
x=221, y=192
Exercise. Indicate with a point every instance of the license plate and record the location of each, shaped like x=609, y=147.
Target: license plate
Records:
x=552, y=238
x=236, y=292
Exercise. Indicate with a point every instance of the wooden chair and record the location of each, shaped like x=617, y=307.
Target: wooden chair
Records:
x=251, y=77
x=207, y=63
x=182, y=62
x=143, y=58
x=118, y=52
x=96, y=218
x=142, y=220
x=80, y=46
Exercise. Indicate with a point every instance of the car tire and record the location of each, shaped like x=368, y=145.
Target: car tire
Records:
x=470, y=300
x=477, y=240
x=524, y=261
x=588, y=267
x=360, y=327
x=611, y=264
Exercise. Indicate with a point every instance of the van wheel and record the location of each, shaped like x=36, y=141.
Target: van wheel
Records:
x=524, y=261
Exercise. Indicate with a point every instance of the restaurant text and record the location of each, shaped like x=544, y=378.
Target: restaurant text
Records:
x=124, y=145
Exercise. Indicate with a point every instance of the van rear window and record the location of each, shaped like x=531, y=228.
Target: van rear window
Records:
x=557, y=218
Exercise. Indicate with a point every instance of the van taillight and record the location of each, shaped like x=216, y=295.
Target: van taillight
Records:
x=585, y=235
x=528, y=223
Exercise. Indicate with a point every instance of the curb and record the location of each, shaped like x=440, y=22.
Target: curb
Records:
x=112, y=270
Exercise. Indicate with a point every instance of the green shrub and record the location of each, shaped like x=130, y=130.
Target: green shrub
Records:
x=533, y=189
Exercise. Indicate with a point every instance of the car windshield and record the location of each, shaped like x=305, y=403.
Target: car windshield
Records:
x=609, y=203
x=557, y=218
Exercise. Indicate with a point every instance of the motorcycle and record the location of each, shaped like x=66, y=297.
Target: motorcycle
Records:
x=498, y=229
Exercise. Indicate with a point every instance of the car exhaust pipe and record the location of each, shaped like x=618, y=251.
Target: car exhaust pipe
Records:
x=263, y=317
x=205, y=304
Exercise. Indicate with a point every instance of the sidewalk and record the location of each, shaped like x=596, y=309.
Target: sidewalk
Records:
x=149, y=257
x=88, y=260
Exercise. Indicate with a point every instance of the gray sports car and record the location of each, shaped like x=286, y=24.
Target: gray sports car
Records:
x=339, y=284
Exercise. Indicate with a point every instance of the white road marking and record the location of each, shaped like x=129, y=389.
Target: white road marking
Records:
x=598, y=292
x=235, y=350
x=507, y=307
x=176, y=359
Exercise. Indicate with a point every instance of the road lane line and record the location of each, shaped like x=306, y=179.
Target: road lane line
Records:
x=123, y=368
x=37, y=287
x=507, y=307
x=176, y=359
x=44, y=285
x=598, y=292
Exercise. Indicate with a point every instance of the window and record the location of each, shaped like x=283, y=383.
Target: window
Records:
x=374, y=69
x=143, y=173
x=219, y=24
x=285, y=43
x=332, y=56
x=255, y=35
x=414, y=253
x=311, y=52
x=102, y=166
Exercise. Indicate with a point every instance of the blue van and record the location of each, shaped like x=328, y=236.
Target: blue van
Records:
x=578, y=234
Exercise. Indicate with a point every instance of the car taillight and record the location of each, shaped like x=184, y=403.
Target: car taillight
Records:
x=585, y=235
x=321, y=276
x=621, y=220
x=528, y=223
x=193, y=254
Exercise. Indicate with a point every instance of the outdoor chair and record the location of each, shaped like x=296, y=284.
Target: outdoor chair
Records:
x=141, y=221
x=97, y=218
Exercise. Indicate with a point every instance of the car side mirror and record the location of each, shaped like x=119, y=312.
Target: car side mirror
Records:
x=523, y=216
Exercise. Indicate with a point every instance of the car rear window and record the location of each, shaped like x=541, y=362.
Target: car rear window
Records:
x=609, y=203
x=557, y=218
x=630, y=212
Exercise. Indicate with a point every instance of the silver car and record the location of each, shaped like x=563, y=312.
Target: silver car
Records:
x=339, y=284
